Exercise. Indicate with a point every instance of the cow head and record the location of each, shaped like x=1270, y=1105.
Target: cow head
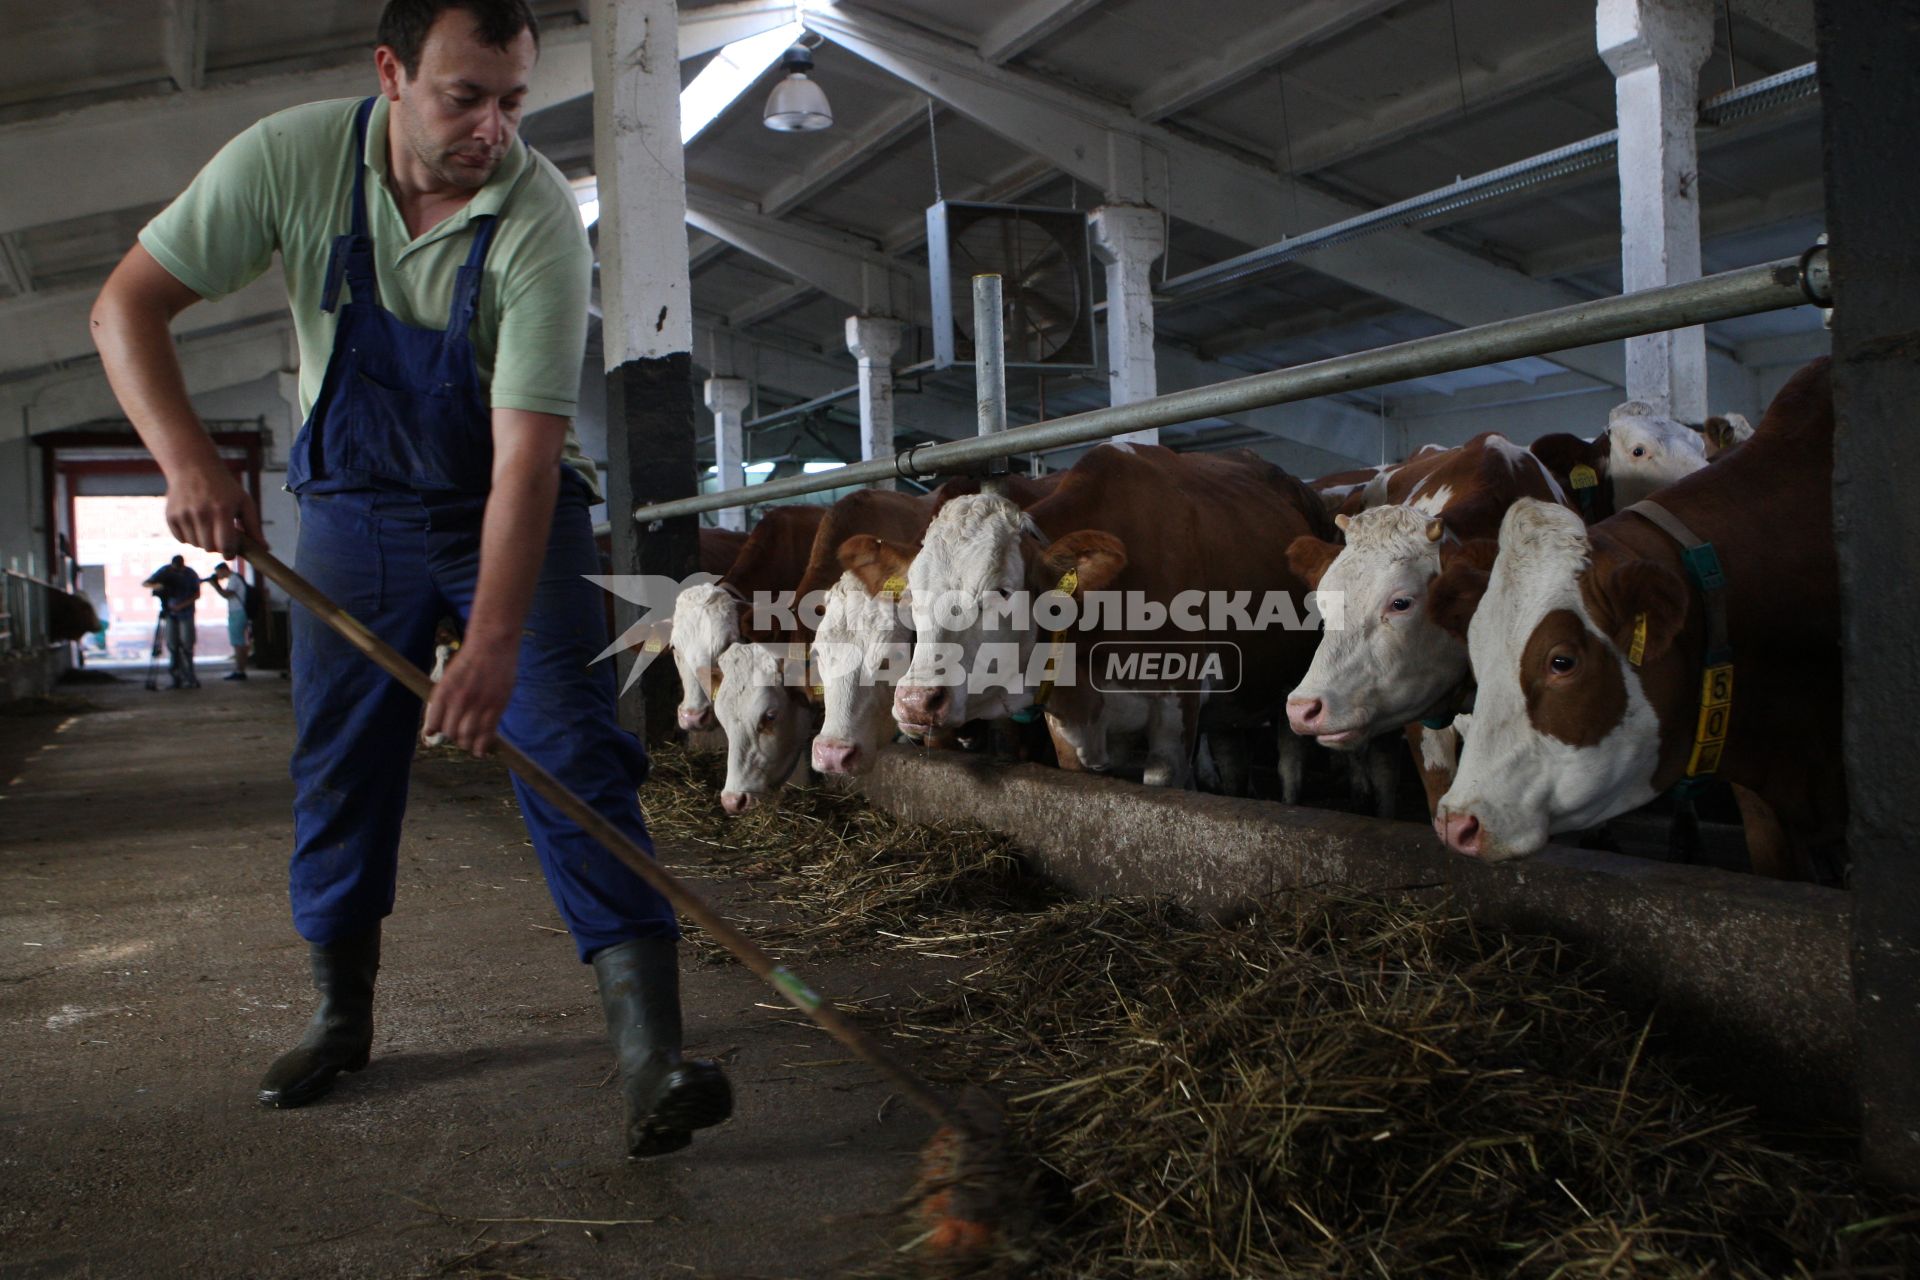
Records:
x=1648, y=451
x=763, y=706
x=978, y=554
x=1563, y=733
x=706, y=620
x=1388, y=662
x=860, y=648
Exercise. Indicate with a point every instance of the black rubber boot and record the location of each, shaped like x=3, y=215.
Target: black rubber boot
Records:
x=667, y=1097
x=341, y=1034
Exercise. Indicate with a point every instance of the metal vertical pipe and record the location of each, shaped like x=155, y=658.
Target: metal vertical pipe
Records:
x=990, y=370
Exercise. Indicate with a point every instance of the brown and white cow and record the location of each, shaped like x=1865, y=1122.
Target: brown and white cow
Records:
x=1138, y=521
x=1568, y=730
x=708, y=618
x=1389, y=664
x=769, y=726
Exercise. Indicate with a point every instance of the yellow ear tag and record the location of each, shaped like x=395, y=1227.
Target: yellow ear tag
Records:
x=653, y=646
x=1584, y=477
x=1069, y=582
x=817, y=692
x=897, y=586
x=1638, y=649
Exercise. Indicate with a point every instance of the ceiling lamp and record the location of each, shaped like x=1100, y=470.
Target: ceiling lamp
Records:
x=797, y=104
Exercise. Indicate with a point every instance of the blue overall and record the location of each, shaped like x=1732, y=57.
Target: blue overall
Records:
x=392, y=469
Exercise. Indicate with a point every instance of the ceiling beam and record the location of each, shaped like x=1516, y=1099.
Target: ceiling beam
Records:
x=719, y=25
x=69, y=397
x=842, y=266
x=15, y=276
x=879, y=132
x=123, y=155
x=1102, y=144
x=1527, y=71
x=1299, y=27
x=1027, y=26
x=51, y=326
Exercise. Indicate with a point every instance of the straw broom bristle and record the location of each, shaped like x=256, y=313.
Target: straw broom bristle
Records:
x=1336, y=1084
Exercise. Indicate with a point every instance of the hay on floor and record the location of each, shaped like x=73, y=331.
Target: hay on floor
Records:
x=1334, y=1085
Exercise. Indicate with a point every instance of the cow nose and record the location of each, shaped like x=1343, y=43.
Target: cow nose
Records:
x=1304, y=715
x=1461, y=832
x=921, y=704
x=736, y=802
x=830, y=755
x=691, y=720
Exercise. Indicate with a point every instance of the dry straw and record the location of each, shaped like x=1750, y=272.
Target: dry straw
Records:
x=1336, y=1085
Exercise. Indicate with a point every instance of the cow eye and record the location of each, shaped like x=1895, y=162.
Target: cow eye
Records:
x=1639, y=451
x=1400, y=604
x=769, y=715
x=1562, y=663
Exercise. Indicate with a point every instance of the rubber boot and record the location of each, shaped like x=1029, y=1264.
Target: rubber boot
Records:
x=667, y=1097
x=340, y=1037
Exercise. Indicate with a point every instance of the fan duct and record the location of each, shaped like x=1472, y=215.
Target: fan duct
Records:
x=1045, y=265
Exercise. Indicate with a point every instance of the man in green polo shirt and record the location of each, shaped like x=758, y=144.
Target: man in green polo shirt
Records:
x=438, y=275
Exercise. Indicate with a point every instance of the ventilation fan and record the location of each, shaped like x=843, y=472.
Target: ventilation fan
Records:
x=1046, y=281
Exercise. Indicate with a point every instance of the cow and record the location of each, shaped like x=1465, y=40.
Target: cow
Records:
x=772, y=732
x=1589, y=649
x=707, y=618
x=1389, y=665
x=1137, y=521
x=1647, y=451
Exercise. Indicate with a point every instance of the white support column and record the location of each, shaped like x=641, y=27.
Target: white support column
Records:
x=728, y=398
x=873, y=341
x=1655, y=49
x=1129, y=239
x=646, y=325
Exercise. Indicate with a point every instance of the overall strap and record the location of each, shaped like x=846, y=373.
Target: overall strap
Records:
x=466, y=286
x=352, y=256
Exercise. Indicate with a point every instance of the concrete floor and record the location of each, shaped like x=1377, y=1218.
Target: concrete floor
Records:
x=148, y=973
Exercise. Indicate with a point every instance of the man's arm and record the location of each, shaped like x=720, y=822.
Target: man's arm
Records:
x=206, y=506
x=472, y=696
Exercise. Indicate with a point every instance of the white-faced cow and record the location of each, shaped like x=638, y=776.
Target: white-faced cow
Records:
x=767, y=735
x=708, y=618
x=1389, y=664
x=1140, y=524
x=1589, y=647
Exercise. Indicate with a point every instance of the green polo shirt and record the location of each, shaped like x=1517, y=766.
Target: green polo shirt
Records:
x=284, y=186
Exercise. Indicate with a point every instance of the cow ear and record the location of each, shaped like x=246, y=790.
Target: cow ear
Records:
x=879, y=566
x=1096, y=559
x=1631, y=589
x=1310, y=557
x=1456, y=593
x=710, y=677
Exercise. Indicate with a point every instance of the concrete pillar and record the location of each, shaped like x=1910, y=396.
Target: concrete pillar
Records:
x=1867, y=53
x=873, y=341
x=1129, y=239
x=647, y=314
x=1655, y=49
x=728, y=398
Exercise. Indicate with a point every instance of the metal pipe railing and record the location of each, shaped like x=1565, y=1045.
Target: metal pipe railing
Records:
x=1771, y=286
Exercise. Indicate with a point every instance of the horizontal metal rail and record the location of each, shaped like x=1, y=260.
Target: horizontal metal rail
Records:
x=1771, y=286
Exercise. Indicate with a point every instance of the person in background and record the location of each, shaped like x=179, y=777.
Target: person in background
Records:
x=178, y=588
x=239, y=630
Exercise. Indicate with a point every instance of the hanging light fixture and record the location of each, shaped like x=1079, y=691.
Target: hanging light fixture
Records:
x=797, y=104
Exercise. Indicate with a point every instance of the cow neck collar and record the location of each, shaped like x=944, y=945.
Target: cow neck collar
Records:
x=1716, y=678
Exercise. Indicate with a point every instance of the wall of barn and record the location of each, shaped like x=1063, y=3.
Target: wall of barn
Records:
x=22, y=522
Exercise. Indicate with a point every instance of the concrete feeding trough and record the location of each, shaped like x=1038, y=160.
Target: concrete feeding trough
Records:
x=1752, y=974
